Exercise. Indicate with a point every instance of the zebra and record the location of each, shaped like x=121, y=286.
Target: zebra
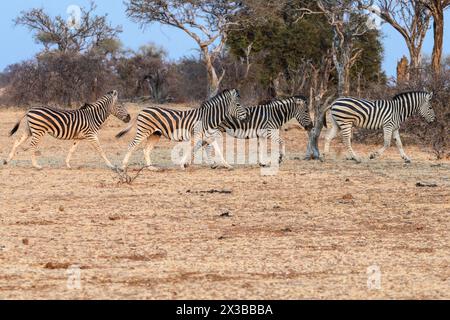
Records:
x=176, y=125
x=79, y=124
x=263, y=120
x=376, y=114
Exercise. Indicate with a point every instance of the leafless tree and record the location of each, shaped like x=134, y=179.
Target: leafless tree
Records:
x=411, y=19
x=77, y=36
x=348, y=20
x=205, y=21
x=319, y=97
x=437, y=8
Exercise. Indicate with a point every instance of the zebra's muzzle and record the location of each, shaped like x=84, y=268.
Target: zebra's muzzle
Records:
x=127, y=119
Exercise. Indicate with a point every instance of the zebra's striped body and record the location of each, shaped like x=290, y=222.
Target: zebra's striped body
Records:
x=263, y=120
x=270, y=116
x=154, y=122
x=80, y=124
x=378, y=114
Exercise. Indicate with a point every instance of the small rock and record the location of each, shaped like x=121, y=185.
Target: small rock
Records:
x=61, y=208
x=347, y=196
x=225, y=214
x=114, y=217
x=56, y=265
x=25, y=242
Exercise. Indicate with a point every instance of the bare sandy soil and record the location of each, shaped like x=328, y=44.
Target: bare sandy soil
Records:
x=311, y=231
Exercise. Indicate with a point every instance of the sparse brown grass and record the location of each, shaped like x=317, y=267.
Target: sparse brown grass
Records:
x=309, y=232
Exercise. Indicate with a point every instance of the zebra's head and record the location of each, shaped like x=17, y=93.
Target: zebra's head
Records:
x=302, y=112
x=425, y=109
x=117, y=109
x=120, y=111
x=235, y=109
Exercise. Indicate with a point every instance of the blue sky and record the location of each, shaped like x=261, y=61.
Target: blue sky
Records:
x=19, y=45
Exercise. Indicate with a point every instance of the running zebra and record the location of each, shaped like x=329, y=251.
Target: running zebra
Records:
x=176, y=125
x=385, y=114
x=263, y=120
x=80, y=124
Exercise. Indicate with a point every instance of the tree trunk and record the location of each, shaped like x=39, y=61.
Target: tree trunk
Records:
x=438, y=30
x=346, y=84
x=341, y=79
x=414, y=66
x=312, y=150
x=213, y=80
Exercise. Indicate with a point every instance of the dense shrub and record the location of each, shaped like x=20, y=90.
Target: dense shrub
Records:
x=57, y=78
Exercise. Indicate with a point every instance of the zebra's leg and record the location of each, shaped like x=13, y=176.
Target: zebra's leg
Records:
x=399, y=144
x=96, y=144
x=331, y=134
x=151, y=142
x=346, y=132
x=201, y=143
x=71, y=151
x=223, y=162
x=387, y=143
x=36, y=138
x=186, y=160
x=17, y=143
x=282, y=150
x=132, y=147
x=262, y=151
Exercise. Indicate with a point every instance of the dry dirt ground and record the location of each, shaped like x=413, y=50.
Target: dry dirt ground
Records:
x=314, y=230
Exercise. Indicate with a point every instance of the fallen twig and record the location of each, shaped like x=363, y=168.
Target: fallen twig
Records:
x=426, y=185
x=125, y=178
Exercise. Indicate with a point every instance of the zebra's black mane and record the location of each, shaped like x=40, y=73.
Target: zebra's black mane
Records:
x=268, y=102
x=220, y=94
x=85, y=106
x=299, y=96
x=402, y=94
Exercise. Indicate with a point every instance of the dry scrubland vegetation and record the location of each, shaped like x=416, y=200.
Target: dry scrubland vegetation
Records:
x=309, y=232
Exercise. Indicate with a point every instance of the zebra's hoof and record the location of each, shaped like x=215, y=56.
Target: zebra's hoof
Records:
x=373, y=156
x=5, y=162
x=407, y=160
x=355, y=159
x=263, y=165
x=184, y=166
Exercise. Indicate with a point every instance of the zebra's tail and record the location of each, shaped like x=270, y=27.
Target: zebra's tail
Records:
x=324, y=116
x=16, y=126
x=126, y=130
